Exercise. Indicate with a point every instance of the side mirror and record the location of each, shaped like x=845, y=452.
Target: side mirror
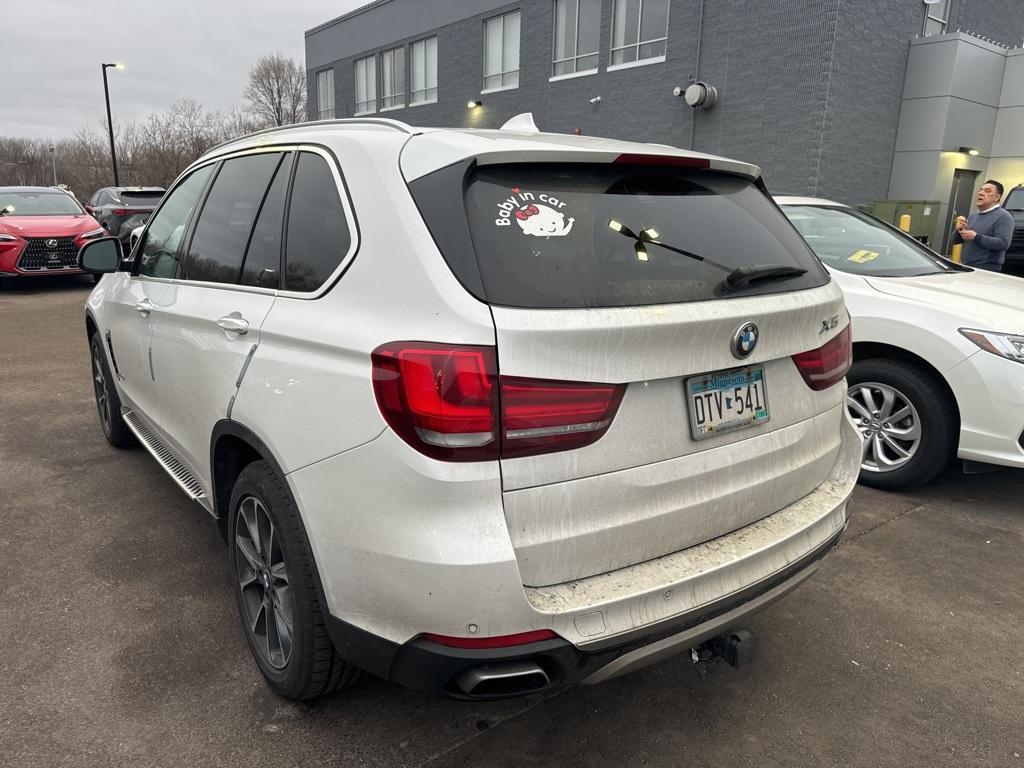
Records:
x=101, y=256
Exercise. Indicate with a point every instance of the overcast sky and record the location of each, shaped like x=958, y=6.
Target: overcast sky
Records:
x=51, y=51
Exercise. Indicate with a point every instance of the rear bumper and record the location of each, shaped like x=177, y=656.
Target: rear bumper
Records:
x=427, y=666
x=609, y=624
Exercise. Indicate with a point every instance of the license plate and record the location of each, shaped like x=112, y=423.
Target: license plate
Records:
x=725, y=401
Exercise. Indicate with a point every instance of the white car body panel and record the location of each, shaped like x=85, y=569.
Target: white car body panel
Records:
x=923, y=315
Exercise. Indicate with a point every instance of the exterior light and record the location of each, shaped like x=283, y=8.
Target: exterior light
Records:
x=641, y=252
x=650, y=233
x=473, y=104
x=972, y=151
x=614, y=225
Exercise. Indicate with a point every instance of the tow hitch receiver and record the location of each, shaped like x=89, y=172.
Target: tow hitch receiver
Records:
x=735, y=648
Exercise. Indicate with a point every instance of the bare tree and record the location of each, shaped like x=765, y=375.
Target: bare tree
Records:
x=276, y=92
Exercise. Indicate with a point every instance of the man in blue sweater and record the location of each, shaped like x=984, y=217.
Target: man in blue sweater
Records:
x=986, y=234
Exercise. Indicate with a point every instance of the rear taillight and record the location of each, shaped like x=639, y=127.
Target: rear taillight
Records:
x=827, y=365
x=127, y=211
x=448, y=402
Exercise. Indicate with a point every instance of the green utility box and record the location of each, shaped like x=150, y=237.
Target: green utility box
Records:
x=924, y=215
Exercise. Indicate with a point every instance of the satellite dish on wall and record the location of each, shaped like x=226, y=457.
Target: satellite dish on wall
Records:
x=522, y=123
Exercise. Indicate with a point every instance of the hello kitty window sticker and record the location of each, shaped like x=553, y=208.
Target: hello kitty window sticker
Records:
x=540, y=215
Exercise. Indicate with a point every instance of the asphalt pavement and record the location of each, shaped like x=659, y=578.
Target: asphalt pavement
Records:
x=121, y=644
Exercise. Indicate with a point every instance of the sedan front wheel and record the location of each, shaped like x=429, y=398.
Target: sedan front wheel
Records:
x=907, y=419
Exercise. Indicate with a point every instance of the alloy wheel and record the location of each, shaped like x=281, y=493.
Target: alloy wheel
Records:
x=99, y=383
x=889, y=422
x=263, y=581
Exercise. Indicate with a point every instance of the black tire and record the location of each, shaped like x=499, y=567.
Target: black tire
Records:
x=108, y=403
x=310, y=666
x=935, y=410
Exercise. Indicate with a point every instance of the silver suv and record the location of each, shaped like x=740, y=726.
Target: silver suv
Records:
x=481, y=412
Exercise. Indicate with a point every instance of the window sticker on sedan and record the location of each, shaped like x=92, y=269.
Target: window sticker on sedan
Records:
x=862, y=256
x=538, y=215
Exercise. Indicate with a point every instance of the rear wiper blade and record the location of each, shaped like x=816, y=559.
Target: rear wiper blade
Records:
x=755, y=273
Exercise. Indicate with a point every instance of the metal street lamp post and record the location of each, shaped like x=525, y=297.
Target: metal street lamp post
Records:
x=110, y=123
x=53, y=158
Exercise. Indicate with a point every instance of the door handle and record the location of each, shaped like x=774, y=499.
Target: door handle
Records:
x=144, y=307
x=234, y=323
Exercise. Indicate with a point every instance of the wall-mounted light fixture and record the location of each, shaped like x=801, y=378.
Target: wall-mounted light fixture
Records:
x=471, y=104
x=972, y=151
x=596, y=100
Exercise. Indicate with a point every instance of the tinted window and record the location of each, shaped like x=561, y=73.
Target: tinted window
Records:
x=263, y=259
x=141, y=198
x=851, y=241
x=318, y=236
x=588, y=235
x=1015, y=200
x=167, y=227
x=218, y=245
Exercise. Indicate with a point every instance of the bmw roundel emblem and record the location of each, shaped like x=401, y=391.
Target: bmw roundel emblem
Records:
x=744, y=341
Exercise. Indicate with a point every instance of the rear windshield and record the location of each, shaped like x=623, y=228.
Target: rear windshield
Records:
x=588, y=235
x=141, y=198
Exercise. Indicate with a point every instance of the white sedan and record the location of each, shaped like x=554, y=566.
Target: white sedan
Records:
x=938, y=348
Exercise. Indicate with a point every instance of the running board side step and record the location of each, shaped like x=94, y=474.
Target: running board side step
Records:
x=178, y=471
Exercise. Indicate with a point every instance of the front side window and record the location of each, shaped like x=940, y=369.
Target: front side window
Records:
x=226, y=220
x=366, y=85
x=851, y=241
x=639, y=30
x=1015, y=200
x=392, y=70
x=577, y=33
x=318, y=234
x=167, y=227
x=423, y=61
x=501, y=52
x=576, y=235
x=325, y=94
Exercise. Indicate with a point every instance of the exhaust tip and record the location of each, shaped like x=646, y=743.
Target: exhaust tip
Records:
x=514, y=678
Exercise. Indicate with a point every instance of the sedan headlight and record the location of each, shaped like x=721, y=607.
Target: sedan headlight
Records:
x=1008, y=345
x=7, y=237
x=94, y=233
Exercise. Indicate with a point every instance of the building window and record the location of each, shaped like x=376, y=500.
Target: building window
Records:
x=936, y=14
x=423, y=60
x=325, y=94
x=639, y=30
x=366, y=85
x=392, y=71
x=501, y=52
x=577, y=33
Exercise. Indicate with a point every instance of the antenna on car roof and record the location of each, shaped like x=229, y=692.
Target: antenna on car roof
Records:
x=521, y=123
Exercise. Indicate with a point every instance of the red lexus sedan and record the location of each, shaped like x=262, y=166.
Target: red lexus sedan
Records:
x=41, y=230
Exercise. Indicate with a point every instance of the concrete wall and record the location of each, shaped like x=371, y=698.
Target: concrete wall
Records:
x=959, y=92
x=999, y=20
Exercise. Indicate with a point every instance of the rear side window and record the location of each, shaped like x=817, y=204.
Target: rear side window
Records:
x=609, y=235
x=318, y=234
x=226, y=221
x=262, y=267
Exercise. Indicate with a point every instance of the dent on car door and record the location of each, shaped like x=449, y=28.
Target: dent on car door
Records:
x=131, y=305
x=208, y=324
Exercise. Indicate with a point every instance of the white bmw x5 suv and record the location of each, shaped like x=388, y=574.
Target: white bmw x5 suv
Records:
x=484, y=413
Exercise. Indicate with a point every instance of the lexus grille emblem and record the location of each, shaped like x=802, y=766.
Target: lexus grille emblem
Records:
x=744, y=341
x=51, y=243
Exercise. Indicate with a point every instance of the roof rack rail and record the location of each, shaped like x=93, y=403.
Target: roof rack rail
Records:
x=398, y=125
